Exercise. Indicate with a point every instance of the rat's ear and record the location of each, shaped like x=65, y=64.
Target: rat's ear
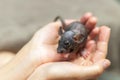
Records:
x=77, y=37
x=60, y=31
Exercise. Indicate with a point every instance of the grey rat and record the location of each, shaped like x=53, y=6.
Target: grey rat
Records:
x=73, y=36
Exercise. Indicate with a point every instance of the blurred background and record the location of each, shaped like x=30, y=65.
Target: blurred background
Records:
x=20, y=19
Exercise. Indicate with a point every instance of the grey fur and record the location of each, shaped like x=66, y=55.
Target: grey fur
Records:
x=73, y=38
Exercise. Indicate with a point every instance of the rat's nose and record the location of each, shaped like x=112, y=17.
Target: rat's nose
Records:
x=60, y=50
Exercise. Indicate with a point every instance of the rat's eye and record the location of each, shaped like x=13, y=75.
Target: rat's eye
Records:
x=67, y=43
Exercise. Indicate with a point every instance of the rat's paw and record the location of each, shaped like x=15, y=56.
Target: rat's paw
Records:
x=85, y=54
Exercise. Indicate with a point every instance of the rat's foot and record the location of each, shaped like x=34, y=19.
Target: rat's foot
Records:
x=85, y=54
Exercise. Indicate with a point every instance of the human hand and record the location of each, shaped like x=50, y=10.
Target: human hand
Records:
x=81, y=68
x=45, y=43
x=42, y=49
x=5, y=57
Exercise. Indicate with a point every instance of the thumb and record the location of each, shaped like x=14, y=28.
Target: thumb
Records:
x=97, y=69
x=68, y=71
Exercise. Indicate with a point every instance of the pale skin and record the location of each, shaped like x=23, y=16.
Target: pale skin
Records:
x=38, y=59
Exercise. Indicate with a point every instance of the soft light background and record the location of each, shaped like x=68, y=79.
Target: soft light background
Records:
x=19, y=19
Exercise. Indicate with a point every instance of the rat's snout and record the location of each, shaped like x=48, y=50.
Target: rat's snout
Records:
x=60, y=50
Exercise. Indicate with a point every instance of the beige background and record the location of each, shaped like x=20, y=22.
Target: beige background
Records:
x=19, y=19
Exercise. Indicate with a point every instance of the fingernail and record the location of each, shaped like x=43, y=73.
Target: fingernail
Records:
x=106, y=64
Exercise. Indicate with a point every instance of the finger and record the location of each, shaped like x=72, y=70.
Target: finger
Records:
x=93, y=34
x=94, y=71
x=85, y=17
x=104, y=62
x=91, y=24
x=66, y=70
x=91, y=48
x=102, y=43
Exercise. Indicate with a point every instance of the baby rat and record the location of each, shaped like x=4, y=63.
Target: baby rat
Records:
x=73, y=37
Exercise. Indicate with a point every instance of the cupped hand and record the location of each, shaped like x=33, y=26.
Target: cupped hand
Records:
x=42, y=47
x=85, y=67
x=45, y=41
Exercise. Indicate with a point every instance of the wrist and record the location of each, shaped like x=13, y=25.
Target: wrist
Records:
x=16, y=70
x=20, y=67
